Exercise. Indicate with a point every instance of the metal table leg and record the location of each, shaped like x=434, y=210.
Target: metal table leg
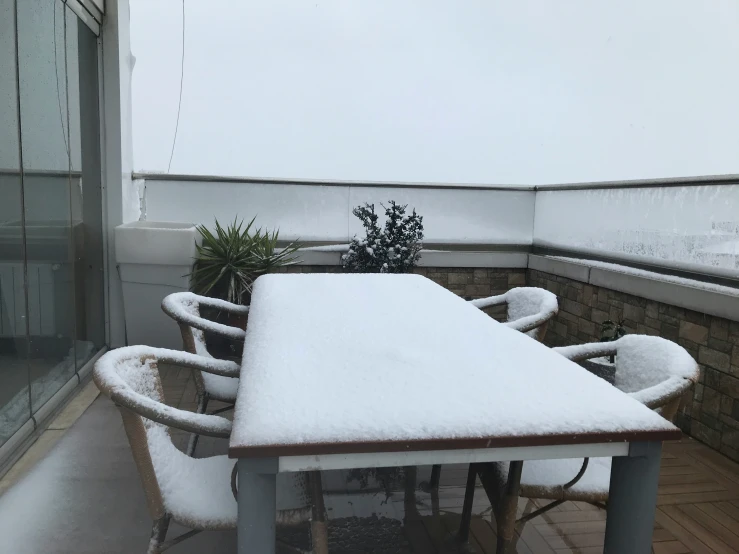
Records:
x=632, y=500
x=257, y=504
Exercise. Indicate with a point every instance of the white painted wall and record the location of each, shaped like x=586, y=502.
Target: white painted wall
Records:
x=483, y=91
x=121, y=195
x=323, y=213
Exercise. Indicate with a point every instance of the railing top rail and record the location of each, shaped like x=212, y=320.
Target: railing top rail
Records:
x=327, y=182
x=731, y=179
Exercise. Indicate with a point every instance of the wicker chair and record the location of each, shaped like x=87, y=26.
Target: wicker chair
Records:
x=529, y=309
x=194, y=492
x=652, y=370
x=184, y=308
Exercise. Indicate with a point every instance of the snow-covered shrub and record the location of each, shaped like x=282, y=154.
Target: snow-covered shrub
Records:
x=395, y=248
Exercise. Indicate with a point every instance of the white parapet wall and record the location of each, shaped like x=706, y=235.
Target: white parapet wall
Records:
x=694, y=227
x=321, y=211
x=665, y=223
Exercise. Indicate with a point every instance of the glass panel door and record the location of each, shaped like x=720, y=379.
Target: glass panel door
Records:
x=15, y=407
x=47, y=148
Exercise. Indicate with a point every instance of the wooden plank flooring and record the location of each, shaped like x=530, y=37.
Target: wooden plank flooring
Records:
x=697, y=512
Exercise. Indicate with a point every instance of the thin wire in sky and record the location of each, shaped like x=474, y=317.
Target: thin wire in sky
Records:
x=182, y=77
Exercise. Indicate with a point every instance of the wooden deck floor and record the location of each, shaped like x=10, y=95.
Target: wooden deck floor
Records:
x=698, y=506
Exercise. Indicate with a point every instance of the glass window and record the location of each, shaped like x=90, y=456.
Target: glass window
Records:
x=47, y=148
x=14, y=400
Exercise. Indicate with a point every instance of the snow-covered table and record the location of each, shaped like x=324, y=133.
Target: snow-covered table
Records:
x=355, y=371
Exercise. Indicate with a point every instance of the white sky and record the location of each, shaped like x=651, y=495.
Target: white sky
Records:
x=479, y=91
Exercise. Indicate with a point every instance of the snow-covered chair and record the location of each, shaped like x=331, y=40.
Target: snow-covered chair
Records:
x=652, y=370
x=529, y=309
x=194, y=492
x=184, y=308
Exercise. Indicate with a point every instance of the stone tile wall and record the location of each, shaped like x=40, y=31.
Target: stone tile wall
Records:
x=710, y=412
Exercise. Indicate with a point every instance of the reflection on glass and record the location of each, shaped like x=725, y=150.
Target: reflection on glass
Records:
x=14, y=402
x=47, y=148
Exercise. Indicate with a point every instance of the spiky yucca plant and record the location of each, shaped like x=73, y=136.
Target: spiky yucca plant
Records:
x=229, y=260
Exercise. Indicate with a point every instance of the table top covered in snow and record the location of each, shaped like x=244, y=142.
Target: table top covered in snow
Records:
x=346, y=363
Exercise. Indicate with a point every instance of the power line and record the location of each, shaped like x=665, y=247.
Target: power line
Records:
x=182, y=77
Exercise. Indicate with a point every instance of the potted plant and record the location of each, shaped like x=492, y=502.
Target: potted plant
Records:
x=229, y=260
x=605, y=367
x=395, y=248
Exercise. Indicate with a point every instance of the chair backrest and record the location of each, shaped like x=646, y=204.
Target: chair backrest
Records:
x=130, y=377
x=653, y=370
x=530, y=309
x=184, y=308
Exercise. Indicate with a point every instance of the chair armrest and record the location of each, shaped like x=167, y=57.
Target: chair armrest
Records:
x=202, y=424
x=580, y=352
x=222, y=305
x=528, y=323
x=174, y=305
x=224, y=368
x=108, y=379
x=489, y=301
x=662, y=393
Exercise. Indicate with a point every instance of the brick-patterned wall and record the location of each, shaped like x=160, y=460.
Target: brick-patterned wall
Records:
x=710, y=413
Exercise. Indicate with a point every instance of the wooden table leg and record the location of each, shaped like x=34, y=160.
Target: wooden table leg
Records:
x=318, y=527
x=506, y=516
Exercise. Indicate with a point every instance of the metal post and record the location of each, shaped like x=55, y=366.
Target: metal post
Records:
x=257, y=504
x=506, y=515
x=632, y=500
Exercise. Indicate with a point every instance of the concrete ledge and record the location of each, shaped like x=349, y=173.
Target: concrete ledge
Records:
x=683, y=295
x=578, y=272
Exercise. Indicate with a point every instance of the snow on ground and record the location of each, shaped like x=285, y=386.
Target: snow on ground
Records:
x=343, y=358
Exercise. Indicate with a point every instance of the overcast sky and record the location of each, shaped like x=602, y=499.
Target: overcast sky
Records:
x=479, y=91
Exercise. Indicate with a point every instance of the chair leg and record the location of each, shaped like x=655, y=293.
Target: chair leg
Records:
x=193, y=442
x=506, y=515
x=469, y=496
x=158, y=534
x=318, y=526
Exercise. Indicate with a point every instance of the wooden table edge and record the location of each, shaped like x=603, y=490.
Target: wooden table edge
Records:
x=330, y=448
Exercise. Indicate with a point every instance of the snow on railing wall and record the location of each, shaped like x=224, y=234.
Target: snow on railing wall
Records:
x=322, y=212
x=681, y=225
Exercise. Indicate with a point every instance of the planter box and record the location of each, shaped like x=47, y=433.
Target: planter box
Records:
x=154, y=260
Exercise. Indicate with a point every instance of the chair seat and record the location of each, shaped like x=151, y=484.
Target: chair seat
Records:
x=544, y=478
x=221, y=388
x=197, y=491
